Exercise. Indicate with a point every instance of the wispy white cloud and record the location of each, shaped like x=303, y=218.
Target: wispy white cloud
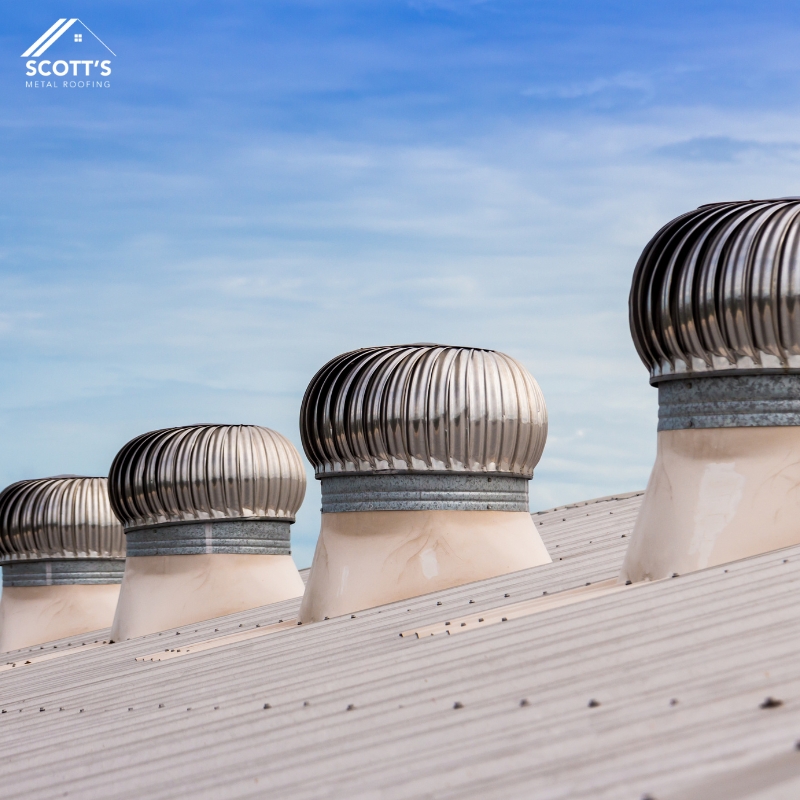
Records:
x=624, y=81
x=726, y=149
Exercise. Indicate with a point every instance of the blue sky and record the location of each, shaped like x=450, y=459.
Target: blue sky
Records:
x=265, y=185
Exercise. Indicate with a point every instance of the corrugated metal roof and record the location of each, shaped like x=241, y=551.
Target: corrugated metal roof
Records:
x=678, y=671
x=599, y=526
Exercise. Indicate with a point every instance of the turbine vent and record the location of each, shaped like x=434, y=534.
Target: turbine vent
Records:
x=207, y=511
x=62, y=552
x=715, y=317
x=424, y=450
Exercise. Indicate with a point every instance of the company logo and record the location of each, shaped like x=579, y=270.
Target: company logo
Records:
x=76, y=61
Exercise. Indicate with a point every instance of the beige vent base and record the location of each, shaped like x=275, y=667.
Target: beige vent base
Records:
x=162, y=592
x=368, y=558
x=716, y=495
x=31, y=615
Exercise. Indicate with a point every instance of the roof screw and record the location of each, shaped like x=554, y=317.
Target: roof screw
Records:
x=350, y=707
x=352, y=616
x=471, y=601
x=506, y=595
x=769, y=702
x=266, y=705
x=675, y=575
x=306, y=703
x=438, y=602
x=593, y=703
x=161, y=705
x=41, y=709
x=524, y=702
x=674, y=701
x=458, y=705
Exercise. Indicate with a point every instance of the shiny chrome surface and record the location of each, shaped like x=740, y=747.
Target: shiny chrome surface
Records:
x=718, y=290
x=423, y=408
x=202, y=472
x=729, y=401
x=64, y=517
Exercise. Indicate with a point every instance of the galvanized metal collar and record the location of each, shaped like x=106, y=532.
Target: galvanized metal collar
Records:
x=423, y=492
x=62, y=572
x=246, y=536
x=736, y=401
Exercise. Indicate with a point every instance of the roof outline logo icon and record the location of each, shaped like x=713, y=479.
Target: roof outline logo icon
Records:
x=52, y=34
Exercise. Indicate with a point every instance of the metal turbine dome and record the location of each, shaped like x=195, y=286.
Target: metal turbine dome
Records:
x=423, y=408
x=66, y=517
x=206, y=472
x=717, y=291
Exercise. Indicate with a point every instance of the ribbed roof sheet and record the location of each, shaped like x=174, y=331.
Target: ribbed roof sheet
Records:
x=679, y=671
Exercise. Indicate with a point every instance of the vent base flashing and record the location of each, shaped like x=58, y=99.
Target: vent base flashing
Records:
x=231, y=536
x=423, y=492
x=735, y=401
x=63, y=572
